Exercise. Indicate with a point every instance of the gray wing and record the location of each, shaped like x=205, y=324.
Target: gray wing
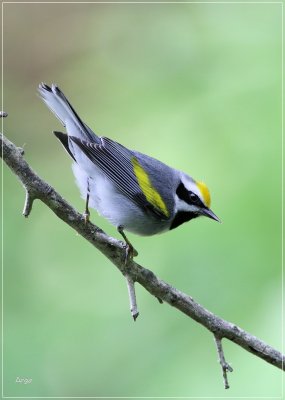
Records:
x=117, y=163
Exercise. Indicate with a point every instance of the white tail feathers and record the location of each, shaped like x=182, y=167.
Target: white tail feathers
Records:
x=57, y=103
x=63, y=110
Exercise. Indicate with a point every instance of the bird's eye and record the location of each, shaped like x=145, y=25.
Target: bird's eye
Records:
x=194, y=198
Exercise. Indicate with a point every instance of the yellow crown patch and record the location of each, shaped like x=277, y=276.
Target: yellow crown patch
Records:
x=205, y=193
x=151, y=194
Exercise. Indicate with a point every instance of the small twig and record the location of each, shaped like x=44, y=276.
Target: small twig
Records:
x=132, y=297
x=28, y=203
x=225, y=366
x=3, y=114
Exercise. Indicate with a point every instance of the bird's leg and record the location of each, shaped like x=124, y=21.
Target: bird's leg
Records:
x=86, y=213
x=130, y=250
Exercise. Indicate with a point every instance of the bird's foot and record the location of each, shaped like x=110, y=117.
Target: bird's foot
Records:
x=130, y=252
x=86, y=216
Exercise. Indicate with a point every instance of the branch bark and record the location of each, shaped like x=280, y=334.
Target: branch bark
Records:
x=114, y=250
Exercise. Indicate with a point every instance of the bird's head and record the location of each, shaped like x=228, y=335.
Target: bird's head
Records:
x=192, y=199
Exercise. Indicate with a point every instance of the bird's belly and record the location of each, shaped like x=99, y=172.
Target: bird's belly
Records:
x=120, y=211
x=115, y=207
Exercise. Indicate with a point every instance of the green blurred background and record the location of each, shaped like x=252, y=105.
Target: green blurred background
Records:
x=197, y=86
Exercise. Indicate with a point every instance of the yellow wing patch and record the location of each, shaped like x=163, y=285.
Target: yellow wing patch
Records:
x=151, y=194
x=205, y=193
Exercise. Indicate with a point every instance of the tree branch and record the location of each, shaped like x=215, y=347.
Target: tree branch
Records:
x=114, y=250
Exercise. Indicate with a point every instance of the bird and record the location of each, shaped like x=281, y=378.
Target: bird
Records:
x=133, y=191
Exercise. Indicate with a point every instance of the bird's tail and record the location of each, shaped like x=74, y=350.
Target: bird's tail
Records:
x=63, y=110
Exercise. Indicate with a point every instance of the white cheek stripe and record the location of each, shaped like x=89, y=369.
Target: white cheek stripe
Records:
x=181, y=205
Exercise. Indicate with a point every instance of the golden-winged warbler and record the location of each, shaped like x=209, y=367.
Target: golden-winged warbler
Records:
x=135, y=192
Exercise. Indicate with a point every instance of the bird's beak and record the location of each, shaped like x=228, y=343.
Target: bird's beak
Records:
x=209, y=213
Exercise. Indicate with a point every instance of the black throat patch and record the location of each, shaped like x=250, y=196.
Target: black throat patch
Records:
x=181, y=217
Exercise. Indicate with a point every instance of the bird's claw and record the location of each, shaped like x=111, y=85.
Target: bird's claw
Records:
x=86, y=216
x=130, y=253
